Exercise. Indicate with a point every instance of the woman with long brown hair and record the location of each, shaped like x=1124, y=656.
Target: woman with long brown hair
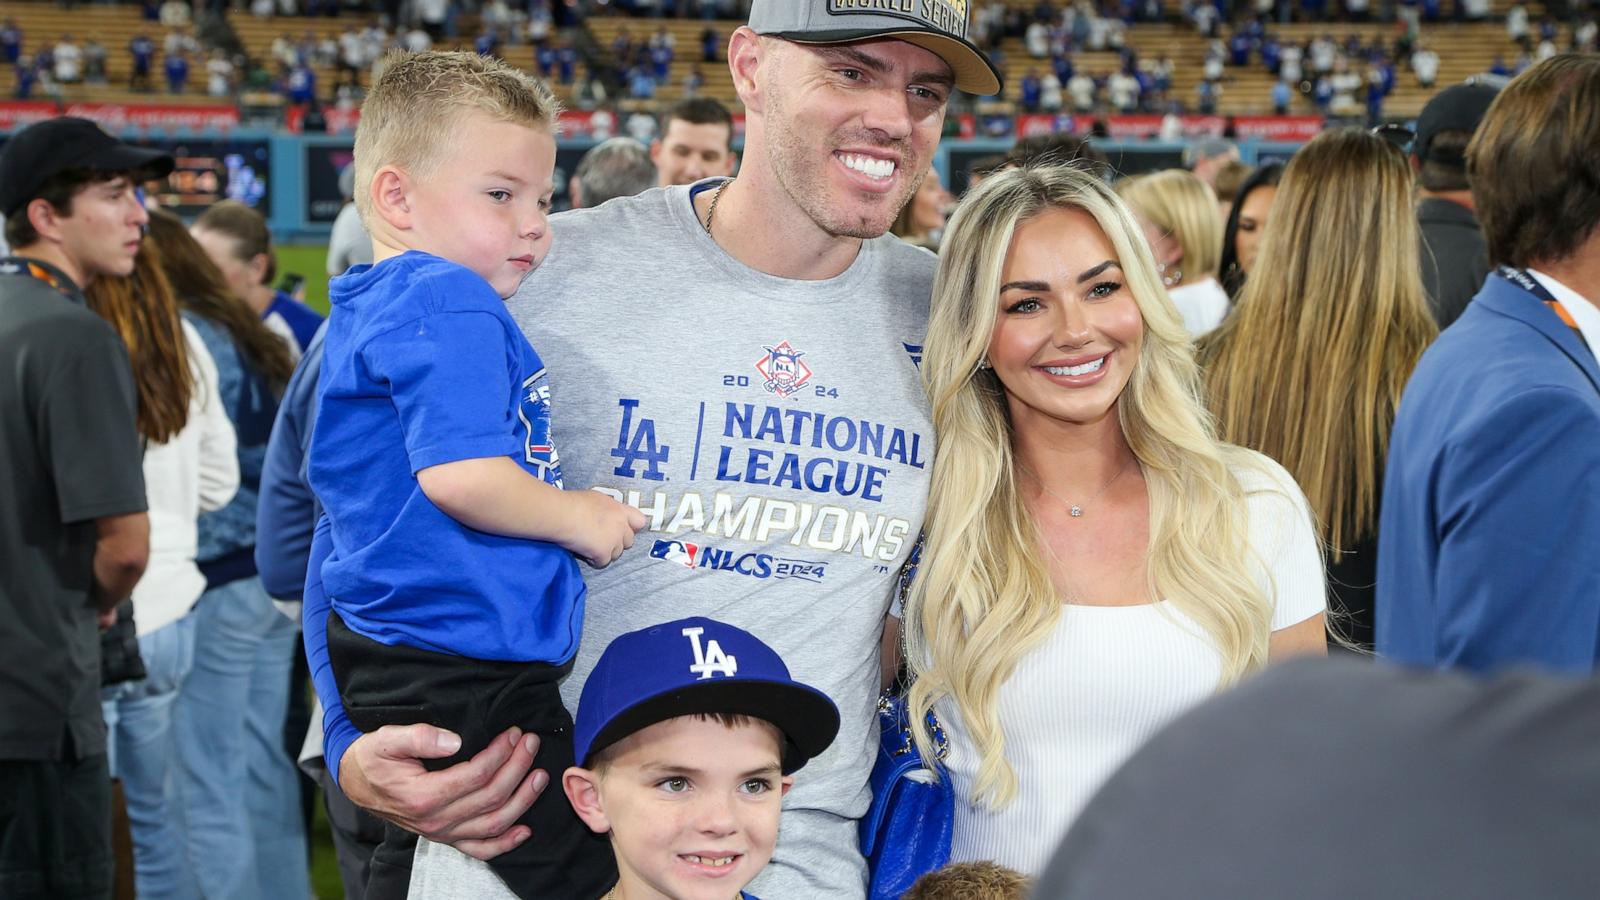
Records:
x=190, y=468
x=240, y=797
x=1309, y=367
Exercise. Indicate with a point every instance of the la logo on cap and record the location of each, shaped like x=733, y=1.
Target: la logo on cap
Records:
x=710, y=660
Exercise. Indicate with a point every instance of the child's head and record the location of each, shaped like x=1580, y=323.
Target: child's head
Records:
x=688, y=735
x=970, y=881
x=454, y=156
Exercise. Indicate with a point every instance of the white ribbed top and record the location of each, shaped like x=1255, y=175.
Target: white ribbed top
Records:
x=1105, y=680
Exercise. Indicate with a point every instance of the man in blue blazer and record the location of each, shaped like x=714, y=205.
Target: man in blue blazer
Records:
x=1489, y=540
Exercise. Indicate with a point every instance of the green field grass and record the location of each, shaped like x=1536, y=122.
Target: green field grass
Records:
x=311, y=263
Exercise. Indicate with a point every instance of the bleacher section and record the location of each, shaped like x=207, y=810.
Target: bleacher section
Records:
x=1464, y=49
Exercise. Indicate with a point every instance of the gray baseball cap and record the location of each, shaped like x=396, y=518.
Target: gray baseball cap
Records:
x=938, y=26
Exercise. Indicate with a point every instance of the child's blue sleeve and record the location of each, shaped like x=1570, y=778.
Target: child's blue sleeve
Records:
x=451, y=385
x=337, y=732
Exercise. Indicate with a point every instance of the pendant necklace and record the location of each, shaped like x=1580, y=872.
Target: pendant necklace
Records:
x=1076, y=509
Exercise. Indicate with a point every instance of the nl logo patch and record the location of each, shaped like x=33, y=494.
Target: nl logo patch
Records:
x=783, y=370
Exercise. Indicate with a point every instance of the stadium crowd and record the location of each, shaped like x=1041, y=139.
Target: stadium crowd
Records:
x=777, y=522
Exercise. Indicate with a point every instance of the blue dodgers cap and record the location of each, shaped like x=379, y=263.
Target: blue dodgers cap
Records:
x=938, y=26
x=699, y=666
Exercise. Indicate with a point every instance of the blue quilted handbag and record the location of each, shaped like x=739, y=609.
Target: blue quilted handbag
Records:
x=906, y=832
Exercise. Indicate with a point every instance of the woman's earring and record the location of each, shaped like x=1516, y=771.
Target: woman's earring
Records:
x=984, y=364
x=1171, y=278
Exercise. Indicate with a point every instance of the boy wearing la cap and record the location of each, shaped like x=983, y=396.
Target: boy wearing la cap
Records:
x=688, y=735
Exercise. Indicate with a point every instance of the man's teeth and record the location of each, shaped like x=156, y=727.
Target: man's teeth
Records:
x=717, y=862
x=870, y=166
x=1084, y=369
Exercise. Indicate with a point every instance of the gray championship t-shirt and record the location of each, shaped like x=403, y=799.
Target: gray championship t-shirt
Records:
x=777, y=437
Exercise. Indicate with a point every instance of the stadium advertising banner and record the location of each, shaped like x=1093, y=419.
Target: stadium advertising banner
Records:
x=16, y=114
x=323, y=164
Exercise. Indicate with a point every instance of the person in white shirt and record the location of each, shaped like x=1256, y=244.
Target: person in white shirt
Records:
x=1037, y=39
x=1082, y=88
x=190, y=467
x=1095, y=560
x=219, y=74
x=1425, y=63
x=1050, y=97
x=69, y=60
x=1181, y=219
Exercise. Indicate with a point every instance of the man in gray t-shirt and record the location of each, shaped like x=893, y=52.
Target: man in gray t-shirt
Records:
x=739, y=360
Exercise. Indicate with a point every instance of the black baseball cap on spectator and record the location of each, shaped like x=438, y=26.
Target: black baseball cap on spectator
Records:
x=47, y=148
x=1458, y=108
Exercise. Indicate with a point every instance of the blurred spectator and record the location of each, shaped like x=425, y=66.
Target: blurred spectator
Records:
x=1030, y=89
x=219, y=74
x=1494, y=462
x=1517, y=25
x=176, y=67
x=1482, y=789
x=300, y=84
x=236, y=782
x=619, y=167
x=1247, y=223
x=1050, y=94
x=94, y=61
x=348, y=243
x=1207, y=155
x=1178, y=212
x=10, y=41
x=1058, y=149
x=1334, y=297
x=191, y=467
x=696, y=142
x=143, y=52
x=922, y=220
x=238, y=242
x=175, y=14
x=1229, y=178
x=1455, y=261
x=1282, y=96
x=68, y=58
x=1425, y=63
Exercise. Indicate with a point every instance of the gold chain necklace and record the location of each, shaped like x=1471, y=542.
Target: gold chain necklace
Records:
x=715, y=199
x=1076, y=509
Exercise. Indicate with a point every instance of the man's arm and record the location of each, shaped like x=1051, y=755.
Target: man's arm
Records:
x=471, y=805
x=121, y=551
x=1519, y=516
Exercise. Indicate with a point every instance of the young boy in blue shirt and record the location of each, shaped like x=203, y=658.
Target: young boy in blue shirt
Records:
x=688, y=737
x=456, y=598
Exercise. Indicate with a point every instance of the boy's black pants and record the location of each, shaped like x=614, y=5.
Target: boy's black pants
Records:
x=477, y=699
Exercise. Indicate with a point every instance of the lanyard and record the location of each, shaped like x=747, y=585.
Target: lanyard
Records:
x=16, y=265
x=1527, y=282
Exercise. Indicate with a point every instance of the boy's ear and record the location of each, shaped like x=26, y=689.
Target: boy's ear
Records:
x=45, y=219
x=391, y=197
x=583, y=792
x=785, y=785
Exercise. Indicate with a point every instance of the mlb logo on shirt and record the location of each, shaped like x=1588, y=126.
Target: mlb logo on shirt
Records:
x=680, y=552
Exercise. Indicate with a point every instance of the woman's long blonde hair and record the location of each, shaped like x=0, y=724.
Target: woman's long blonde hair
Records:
x=983, y=596
x=1184, y=207
x=1310, y=366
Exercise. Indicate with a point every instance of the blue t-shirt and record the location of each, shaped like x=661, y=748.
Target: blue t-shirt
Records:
x=303, y=320
x=423, y=366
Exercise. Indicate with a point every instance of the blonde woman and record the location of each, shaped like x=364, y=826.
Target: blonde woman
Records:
x=1179, y=215
x=1095, y=561
x=1310, y=366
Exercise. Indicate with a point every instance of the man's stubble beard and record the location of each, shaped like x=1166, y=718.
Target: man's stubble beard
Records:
x=805, y=181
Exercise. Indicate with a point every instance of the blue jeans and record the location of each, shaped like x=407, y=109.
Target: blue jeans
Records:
x=139, y=745
x=241, y=801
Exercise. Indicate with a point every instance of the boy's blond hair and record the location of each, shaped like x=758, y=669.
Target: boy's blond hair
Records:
x=970, y=881
x=413, y=113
